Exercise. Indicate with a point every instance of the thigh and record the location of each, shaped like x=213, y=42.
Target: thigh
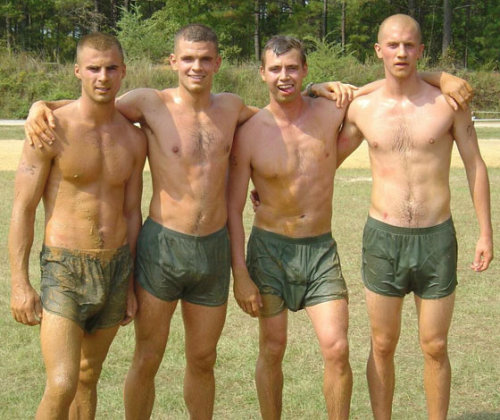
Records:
x=203, y=326
x=152, y=321
x=384, y=313
x=61, y=340
x=330, y=321
x=434, y=317
x=95, y=346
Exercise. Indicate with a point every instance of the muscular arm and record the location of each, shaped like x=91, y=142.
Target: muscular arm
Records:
x=245, y=291
x=40, y=124
x=131, y=104
x=477, y=177
x=133, y=215
x=349, y=137
x=31, y=177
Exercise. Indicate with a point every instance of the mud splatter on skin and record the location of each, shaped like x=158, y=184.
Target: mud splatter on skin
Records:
x=29, y=169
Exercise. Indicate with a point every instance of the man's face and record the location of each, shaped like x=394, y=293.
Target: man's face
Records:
x=283, y=75
x=195, y=63
x=101, y=73
x=400, y=48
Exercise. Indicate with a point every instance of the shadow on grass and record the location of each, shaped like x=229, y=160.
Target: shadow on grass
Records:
x=478, y=416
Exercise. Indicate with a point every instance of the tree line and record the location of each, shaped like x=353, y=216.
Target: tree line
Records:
x=464, y=33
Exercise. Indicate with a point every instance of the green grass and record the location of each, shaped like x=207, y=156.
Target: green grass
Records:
x=474, y=338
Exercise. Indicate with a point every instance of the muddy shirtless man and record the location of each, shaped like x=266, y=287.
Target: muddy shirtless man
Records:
x=92, y=219
x=409, y=242
x=288, y=150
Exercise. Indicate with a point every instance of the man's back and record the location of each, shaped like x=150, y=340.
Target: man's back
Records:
x=410, y=143
x=84, y=196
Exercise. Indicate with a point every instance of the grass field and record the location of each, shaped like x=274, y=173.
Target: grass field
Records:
x=474, y=337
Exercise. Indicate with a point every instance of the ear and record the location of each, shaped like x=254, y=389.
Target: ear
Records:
x=218, y=62
x=173, y=61
x=306, y=69
x=378, y=50
x=124, y=73
x=261, y=71
x=77, y=71
x=421, y=50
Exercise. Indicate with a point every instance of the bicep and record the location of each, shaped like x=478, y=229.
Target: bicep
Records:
x=129, y=105
x=239, y=173
x=246, y=113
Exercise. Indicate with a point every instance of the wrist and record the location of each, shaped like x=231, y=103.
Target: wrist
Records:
x=310, y=91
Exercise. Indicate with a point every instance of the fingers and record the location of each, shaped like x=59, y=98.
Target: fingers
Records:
x=482, y=260
x=38, y=133
x=451, y=102
x=342, y=93
x=251, y=306
x=127, y=320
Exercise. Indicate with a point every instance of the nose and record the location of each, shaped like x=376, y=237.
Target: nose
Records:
x=284, y=73
x=197, y=64
x=402, y=50
x=103, y=74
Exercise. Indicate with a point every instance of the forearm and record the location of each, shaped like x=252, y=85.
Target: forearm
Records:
x=21, y=236
x=480, y=191
x=53, y=105
x=237, y=239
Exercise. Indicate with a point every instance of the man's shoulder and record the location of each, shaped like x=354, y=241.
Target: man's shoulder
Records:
x=227, y=99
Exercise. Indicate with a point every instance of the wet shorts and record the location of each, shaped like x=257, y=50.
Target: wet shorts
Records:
x=173, y=265
x=87, y=286
x=398, y=260
x=294, y=272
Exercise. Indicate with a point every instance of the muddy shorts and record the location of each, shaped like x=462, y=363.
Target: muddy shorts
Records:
x=173, y=265
x=398, y=260
x=294, y=272
x=87, y=286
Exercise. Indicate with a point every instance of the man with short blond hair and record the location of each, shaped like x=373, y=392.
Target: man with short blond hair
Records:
x=409, y=241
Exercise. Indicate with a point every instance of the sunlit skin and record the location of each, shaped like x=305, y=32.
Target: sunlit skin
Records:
x=289, y=151
x=410, y=130
x=90, y=203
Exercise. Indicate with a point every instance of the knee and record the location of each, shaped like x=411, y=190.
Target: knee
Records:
x=384, y=346
x=146, y=360
x=435, y=348
x=89, y=372
x=61, y=387
x=202, y=360
x=336, y=352
x=272, y=349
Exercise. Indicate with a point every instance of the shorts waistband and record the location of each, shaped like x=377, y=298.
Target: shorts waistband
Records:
x=221, y=232
x=288, y=239
x=399, y=230
x=106, y=253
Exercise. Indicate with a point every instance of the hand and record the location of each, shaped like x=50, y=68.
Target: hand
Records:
x=246, y=292
x=255, y=199
x=40, y=125
x=457, y=92
x=25, y=305
x=131, y=307
x=483, y=255
x=342, y=93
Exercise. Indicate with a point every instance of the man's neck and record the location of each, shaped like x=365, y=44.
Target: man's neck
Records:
x=198, y=101
x=287, y=111
x=98, y=113
x=402, y=87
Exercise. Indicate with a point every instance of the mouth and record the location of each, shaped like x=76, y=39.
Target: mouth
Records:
x=286, y=88
x=101, y=89
x=196, y=77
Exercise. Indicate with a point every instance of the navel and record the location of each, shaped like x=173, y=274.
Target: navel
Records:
x=175, y=149
x=432, y=140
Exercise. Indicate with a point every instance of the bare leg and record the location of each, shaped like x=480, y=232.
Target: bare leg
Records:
x=434, y=320
x=93, y=353
x=60, y=341
x=330, y=321
x=268, y=372
x=152, y=326
x=385, y=322
x=203, y=327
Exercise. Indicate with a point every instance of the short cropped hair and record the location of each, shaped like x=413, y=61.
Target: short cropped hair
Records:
x=196, y=32
x=402, y=18
x=99, y=41
x=281, y=44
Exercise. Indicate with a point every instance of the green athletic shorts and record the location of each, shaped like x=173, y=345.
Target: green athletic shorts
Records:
x=294, y=272
x=173, y=265
x=398, y=260
x=87, y=286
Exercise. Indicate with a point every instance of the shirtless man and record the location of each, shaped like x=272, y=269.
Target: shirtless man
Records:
x=409, y=240
x=92, y=219
x=289, y=149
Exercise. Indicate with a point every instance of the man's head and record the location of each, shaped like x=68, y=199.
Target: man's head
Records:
x=196, y=32
x=196, y=58
x=399, y=45
x=283, y=68
x=281, y=44
x=100, y=67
